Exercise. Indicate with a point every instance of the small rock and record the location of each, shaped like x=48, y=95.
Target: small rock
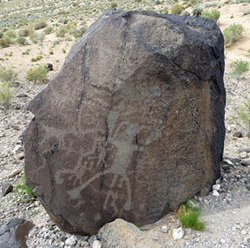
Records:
x=216, y=187
x=227, y=161
x=71, y=241
x=15, y=172
x=17, y=149
x=218, y=181
x=178, y=233
x=15, y=84
x=83, y=243
x=216, y=193
x=245, y=162
x=223, y=241
x=226, y=168
x=21, y=95
x=243, y=155
x=164, y=229
x=232, y=127
x=243, y=232
x=49, y=66
x=96, y=244
x=238, y=135
x=6, y=188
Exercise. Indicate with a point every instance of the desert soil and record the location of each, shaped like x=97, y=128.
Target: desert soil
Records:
x=226, y=212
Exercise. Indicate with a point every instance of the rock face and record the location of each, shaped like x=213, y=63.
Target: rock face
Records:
x=133, y=124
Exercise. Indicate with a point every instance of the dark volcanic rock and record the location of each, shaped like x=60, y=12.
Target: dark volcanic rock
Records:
x=13, y=234
x=133, y=124
x=6, y=188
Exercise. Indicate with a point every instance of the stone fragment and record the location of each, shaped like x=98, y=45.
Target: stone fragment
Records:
x=97, y=244
x=164, y=229
x=70, y=241
x=22, y=95
x=216, y=187
x=49, y=66
x=245, y=162
x=15, y=172
x=133, y=124
x=6, y=188
x=13, y=234
x=238, y=135
x=178, y=233
x=216, y=193
x=243, y=155
x=123, y=234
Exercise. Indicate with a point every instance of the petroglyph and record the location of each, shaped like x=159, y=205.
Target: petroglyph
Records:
x=132, y=125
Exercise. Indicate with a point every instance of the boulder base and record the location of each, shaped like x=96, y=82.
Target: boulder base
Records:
x=132, y=125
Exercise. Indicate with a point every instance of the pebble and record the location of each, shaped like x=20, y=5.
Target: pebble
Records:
x=243, y=155
x=216, y=187
x=164, y=229
x=6, y=188
x=71, y=241
x=178, y=233
x=216, y=193
x=96, y=244
x=15, y=172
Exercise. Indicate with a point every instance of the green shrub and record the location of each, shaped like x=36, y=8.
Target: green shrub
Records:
x=247, y=11
x=113, y=5
x=215, y=14
x=21, y=41
x=176, y=9
x=37, y=38
x=27, y=52
x=23, y=188
x=39, y=25
x=61, y=31
x=6, y=94
x=39, y=57
x=10, y=33
x=189, y=216
x=165, y=10
x=243, y=115
x=7, y=75
x=5, y=41
x=37, y=74
x=71, y=26
x=186, y=13
x=194, y=2
x=77, y=33
x=239, y=67
x=248, y=52
x=26, y=31
x=48, y=30
x=232, y=34
x=197, y=11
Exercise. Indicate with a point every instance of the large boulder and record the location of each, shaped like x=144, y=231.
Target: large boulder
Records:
x=132, y=125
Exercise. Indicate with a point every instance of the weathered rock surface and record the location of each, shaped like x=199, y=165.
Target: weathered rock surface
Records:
x=133, y=124
x=13, y=234
x=123, y=234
